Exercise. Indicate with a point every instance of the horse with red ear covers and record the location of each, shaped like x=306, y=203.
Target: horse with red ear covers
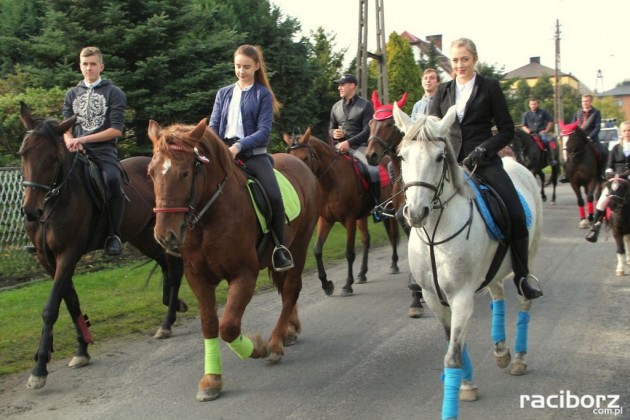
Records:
x=384, y=140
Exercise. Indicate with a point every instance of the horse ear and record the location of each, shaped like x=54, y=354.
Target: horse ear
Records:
x=447, y=121
x=154, y=131
x=198, y=132
x=26, y=116
x=402, y=120
x=66, y=124
x=287, y=139
x=307, y=135
x=375, y=101
x=402, y=100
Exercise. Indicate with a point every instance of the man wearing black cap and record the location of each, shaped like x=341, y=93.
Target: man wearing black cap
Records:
x=349, y=126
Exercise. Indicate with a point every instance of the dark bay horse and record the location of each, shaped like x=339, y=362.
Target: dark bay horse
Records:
x=581, y=170
x=619, y=205
x=64, y=223
x=384, y=140
x=345, y=202
x=527, y=152
x=204, y=212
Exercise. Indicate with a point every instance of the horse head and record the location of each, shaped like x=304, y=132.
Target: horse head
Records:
x=384, y=135
x=180, y=154
x=427, y=159
x=573, y=137
x=618, y=193
x=43, y=162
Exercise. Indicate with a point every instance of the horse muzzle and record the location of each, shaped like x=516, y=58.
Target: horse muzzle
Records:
x=416, y=218
x=30, y=213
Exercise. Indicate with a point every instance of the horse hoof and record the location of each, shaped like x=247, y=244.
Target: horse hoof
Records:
x=291, y=340
x=346, y=292
x=518, y=368
x=36, y=382
x=183, y=307
x=584, y=224
x=163, y=333
x=394, y=269
x=79, y=361
x=620, y=273
x=210, y=387
x=362, y=280
x=274, y=357
x=261, y=349
x=415, y=312
x=329, y=288
x=503, y=358
x=468, y=394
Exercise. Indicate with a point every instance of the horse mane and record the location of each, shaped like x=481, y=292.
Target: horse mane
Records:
x=210, y=145
x=422, y=129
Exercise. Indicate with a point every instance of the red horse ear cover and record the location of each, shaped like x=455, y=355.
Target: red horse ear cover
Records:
x=566, y=129
x=402, y=100
x=383, y=112
x=375, y=101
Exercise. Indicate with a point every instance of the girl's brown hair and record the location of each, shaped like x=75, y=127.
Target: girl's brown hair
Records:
x=255, y=53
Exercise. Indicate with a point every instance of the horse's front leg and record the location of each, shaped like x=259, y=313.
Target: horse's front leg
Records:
x=620, y=240
x=584, y=224
x=501, y=351
x=81, y=324
x=541, y=174
x=288, y=327
x=172, y=272
x=626, y=242
x=323, y=229
x=351, y=230
x=391, y=228
x=61, y=283
x=362, y=224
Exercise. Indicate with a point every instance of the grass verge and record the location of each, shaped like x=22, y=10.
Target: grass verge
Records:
x=117, y=303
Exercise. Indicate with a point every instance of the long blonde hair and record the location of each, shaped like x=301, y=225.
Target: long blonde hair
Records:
x=255, y=53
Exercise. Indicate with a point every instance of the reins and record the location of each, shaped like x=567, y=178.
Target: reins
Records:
x=190, y=217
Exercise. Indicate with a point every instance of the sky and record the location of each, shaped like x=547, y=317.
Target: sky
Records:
x=593, y=35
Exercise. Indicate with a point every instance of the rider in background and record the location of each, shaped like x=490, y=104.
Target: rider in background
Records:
x=618, y=166
x=590, y=121
x=538, y=121
x=480, y=104
x=430, y=83
x=100, y=109
x=349, y=127
x=242, y=116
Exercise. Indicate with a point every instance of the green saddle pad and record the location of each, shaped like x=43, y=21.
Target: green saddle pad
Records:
x=290, y=199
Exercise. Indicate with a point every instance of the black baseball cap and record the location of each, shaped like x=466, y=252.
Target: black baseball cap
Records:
x=347, y=78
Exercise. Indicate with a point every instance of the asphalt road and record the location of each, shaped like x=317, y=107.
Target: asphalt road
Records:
x=361, y=357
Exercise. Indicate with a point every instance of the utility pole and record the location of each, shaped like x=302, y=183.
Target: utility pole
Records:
x=599, y=84
x=557, y=99
x=380, y=55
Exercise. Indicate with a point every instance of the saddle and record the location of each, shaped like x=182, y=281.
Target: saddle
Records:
x=95, y=184
x=363, y=172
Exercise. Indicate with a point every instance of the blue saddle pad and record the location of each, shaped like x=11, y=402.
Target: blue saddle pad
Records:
x=493, y=229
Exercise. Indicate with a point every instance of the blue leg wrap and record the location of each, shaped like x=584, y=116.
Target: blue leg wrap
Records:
x=522, y=322
x=452, y=382
x=467, y=366
x=498, y=321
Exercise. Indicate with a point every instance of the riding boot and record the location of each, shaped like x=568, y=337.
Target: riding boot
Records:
x=552, y=161
x=116, y=210
x=375, y=192
x=281, y=257
x=520, y=255
x=592, y=234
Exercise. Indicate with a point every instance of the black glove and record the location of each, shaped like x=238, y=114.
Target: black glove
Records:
x=476, y=156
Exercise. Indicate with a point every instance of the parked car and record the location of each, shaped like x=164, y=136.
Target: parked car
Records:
x=609, y=136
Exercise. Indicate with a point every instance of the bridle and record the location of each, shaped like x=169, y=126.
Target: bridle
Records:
x=387, y=147
x=312, y=155
x=191, y=217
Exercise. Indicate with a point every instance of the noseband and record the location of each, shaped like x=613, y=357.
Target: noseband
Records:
x=190, y=218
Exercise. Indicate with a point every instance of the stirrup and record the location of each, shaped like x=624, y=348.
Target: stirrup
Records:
x=289, y=259
x=115, y=248
x=520, y=286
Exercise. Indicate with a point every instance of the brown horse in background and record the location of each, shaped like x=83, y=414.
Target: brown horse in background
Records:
x=345, y=202
x=384, y=140
x=64, y=222
x=581, y=170
x=205, y=213
x=619, y=205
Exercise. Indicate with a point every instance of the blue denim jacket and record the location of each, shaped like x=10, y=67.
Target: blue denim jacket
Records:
x=257, y=114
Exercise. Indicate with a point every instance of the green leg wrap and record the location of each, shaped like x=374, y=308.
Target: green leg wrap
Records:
x=212, y=364
x=242, y=346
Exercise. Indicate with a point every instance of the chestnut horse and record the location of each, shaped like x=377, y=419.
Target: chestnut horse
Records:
x=204, y=212
x=383, y=141
x=345, y=202
x=64, y=223
x=581, y=169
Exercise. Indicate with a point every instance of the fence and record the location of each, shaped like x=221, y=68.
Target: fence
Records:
x=15, y=264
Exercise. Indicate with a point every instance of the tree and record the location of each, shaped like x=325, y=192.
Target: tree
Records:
x=404, y=74
x=609, y=109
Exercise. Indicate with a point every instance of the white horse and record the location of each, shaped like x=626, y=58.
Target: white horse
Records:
x=450, y=246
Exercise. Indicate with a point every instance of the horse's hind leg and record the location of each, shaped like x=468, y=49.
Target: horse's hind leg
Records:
x=288, y=326
x=172, y=272
x=362, y=224
x=501, y=351
x=518, y=365
x=626, y=242
x=391, y=228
